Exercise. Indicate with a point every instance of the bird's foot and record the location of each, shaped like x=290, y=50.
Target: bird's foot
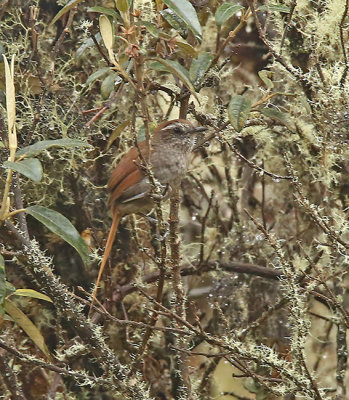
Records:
x=164, y=195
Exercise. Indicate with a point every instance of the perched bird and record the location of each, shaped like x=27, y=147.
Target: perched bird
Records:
x=130, y=189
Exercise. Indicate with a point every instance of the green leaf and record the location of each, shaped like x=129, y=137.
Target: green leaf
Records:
x=2, y=284
x=9, y=288
x=62, y=227
x=10, y=100
x=32, y=293
x=88, y=43
x=275, y=114
x=199, y=67
x=116, y=132
x=65, y=9
x=238, y=111
x=104, y=10
x=151, y=28
x=176, y=69
x=264, y=75
x=107, y=32
x=225, y=11
x=177, y=23
x=96, y=75
x=29, y=328
x=186, y=48
x=108, y=84
x=122, y=5
x=275, y=7
x=38, y=147
x=31, y=168
x=186, y=12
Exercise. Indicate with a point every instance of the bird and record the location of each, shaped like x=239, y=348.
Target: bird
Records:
x=130, y=189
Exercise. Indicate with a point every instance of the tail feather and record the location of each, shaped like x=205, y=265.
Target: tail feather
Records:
x=108, y=247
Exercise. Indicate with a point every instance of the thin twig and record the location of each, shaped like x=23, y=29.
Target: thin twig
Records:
x=51, y=367
x=255, y=166
x=203, y=228
x=10, y=378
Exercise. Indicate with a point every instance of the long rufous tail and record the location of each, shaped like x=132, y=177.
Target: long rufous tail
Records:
x=108, y=247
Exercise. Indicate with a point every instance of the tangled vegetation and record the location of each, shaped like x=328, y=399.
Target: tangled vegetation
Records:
x=237, y=287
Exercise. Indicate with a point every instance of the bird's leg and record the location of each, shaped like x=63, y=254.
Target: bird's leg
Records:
x=164, y=195
x=149, y=218
x=153, y=222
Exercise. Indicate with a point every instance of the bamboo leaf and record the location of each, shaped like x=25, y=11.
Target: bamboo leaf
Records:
x=65, y=9
x=199, y=67
x=32, y=293
x=238, y=111
x=61, y=226
x=26, y=324
x=185, y=10
x=31, y=168
x=226, y=11
x=38, y=147
x=176, y=69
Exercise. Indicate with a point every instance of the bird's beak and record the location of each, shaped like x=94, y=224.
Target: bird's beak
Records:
x=199, y=129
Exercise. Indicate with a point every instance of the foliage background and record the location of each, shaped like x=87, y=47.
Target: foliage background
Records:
x=255, y=298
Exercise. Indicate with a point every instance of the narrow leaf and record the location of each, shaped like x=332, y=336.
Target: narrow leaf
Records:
x=61, y=226
x=151, y=28
x=32, y=293
x=106, y=30
x=199, y=67
x=122, y=5
x=185, y=10
x=238, y=111
x=31, y=168
x=9, y=288
x=275, y=7
x=108, y=84
x=275, y=114
x=38, y=147
x=175, y=21
x=176, y=69
x=29, y=328
x=186, y=48
x=65, y=9
x=104, y=10
x=96, y=75
x=10, y=95
x=225, y=11
x=116, y=132
x=88, y=43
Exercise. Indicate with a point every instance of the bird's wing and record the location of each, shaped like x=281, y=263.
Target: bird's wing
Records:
x=127, y=173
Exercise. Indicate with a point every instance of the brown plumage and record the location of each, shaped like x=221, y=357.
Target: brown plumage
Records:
x=129, y=186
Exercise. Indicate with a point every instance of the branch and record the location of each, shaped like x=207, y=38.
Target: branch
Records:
x=39, y=269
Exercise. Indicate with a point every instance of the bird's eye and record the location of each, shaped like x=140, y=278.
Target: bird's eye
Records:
x=177, y=129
